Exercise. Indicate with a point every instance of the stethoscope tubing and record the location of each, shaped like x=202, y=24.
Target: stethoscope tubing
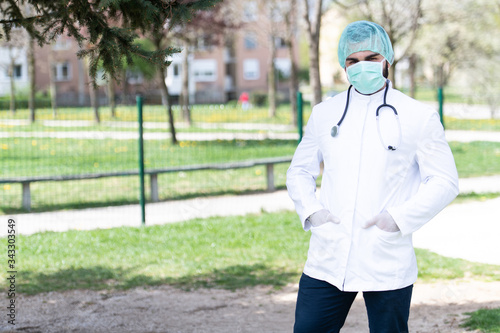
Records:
x=335, y=129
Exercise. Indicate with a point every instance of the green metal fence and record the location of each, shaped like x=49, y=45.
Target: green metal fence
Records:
x=69, y=161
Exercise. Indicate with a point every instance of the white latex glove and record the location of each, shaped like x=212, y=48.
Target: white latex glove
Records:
x=383, y=221
x=321, y=217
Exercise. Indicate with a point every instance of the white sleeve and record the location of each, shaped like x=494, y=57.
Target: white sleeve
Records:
x=302, y=174
x=439, y=180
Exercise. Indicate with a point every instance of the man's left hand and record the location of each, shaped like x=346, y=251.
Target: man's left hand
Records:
x=383, y=221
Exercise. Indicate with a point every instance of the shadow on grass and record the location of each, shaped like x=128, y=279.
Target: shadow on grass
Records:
x=103, y=278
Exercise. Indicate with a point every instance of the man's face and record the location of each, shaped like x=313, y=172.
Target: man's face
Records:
x=367, y=56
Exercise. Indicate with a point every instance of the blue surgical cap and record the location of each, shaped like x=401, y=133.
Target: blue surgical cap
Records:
x=364, y=36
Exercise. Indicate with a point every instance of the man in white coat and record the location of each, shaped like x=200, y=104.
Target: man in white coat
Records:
x=387, y=171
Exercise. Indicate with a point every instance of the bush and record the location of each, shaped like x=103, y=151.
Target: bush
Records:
x=258, y=98
x=23, y=103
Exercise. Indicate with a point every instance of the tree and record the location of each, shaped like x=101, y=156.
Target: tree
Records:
x=480, y=60
x=204, y=30
x=312, y=17
x=100, y=24
x=14, y=46
x=291, y=28
x=451, y=37
x=158, y=40
x=401, y=20
x=32, y=77
x=30, y=54
x=283, y=12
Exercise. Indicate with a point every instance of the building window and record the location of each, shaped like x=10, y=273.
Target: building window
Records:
x=251, y=69
x=250, y=41
x=134, y=77
x=205, y=43
x=205, y=70
x=250, y=11
x=279, y=42
x=17, y=71
x=62, y=71
x=176, y=70
x=284, y=66
x=276, y=13
x=62, y=43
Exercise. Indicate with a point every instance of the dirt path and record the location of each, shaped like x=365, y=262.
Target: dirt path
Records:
x=437, y=307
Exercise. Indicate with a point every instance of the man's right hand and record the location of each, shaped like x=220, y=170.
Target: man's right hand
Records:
x=321, y=217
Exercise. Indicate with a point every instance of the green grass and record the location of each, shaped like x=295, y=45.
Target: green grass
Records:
x=485, y=320
x=473, y=196
x=156, y=113
x=51, y=156
x=220, y=252
x=472, y=124
x=433, y=267
x=476, y=158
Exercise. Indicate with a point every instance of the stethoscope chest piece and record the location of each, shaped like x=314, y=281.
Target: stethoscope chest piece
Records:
x=334, y=131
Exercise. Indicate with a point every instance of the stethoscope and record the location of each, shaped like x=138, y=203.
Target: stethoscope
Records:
x=335, y=129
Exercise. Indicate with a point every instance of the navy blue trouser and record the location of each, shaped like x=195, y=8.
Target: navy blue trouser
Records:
x=322, y=307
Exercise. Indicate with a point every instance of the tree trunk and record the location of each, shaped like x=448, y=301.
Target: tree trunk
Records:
x=314, y=73
x=184, y=98
x=291, y=24
x=313, y=32
x=12, y=85
x=392, y=73
x=124, y=99
x=31, y=75
x=412, y=73
x=53, y=86
x=165, y=99
x=94, y=102
x=111, y=97
x=294, y=82
x=271, y=78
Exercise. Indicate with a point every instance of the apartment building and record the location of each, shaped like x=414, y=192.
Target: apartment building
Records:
x=217, y=73
x=241, y=64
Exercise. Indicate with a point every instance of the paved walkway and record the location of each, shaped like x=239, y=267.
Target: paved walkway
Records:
x=451, y=135
x=468, y=230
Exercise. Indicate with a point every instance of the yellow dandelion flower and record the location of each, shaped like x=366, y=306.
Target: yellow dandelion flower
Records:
x=34, y=143
x=96, y=165
x=5, y=146
x=258, y=172
x=6, y=187
x=52, y=152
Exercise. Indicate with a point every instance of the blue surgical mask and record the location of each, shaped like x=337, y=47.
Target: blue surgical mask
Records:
x=366, y=76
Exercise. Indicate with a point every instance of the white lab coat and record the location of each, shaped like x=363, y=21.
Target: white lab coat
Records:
x=362, y=179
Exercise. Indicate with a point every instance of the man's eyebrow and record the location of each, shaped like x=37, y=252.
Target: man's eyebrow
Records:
x=351, y=59
x=370, y=56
